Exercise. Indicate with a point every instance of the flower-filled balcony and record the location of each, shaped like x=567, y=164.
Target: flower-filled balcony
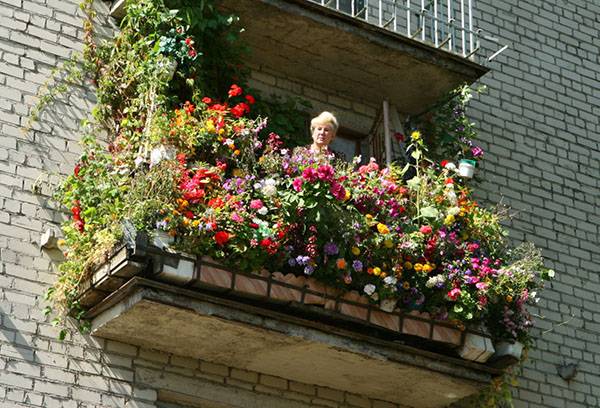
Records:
x=196, y=230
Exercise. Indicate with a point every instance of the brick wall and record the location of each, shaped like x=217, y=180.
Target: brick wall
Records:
x=539, y=121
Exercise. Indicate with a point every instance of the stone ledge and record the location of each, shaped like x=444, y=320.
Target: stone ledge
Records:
x=288, y=290
x=206, y=326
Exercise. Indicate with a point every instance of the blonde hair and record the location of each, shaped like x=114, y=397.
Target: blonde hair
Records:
x=324, y=118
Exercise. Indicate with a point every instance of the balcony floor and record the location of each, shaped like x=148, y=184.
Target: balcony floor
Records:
x=199, y=325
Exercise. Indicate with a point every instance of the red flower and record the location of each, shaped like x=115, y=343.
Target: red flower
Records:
x=449, y=180
x=76, y=169
x=189, y=107
x=234, y=91
x=192, y=52
x=221, y=238
x=443, y=163
x=207, y=100
x=240, y=109
x=216, y=203
x=266, y=242
x=426, y=229
x=188, y=41
x=189, y=214
x=250, y=99
x=253, y=225
x=218, y=107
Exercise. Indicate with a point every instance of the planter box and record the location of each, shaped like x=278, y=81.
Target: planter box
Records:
x=140, y=256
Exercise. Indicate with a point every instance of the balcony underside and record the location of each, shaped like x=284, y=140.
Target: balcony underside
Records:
x=345, y=55
x=200, y=325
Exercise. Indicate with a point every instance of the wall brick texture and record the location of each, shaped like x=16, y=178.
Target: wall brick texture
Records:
x=538, y=123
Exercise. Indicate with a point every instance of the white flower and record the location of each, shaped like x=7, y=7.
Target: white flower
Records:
x=551, y=273
x=390, y=280
x=284, y=152
x=434, y=280
x=453, y=210
x=369, y=289
x=269, y=190
x=138, y=161
x=161, y=153
x=450, y=166
x=263, y=211
x=357, y=159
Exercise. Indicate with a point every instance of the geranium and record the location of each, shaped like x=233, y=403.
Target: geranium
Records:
x=235, y=90
x=221, y=238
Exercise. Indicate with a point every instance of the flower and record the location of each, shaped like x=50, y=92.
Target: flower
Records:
x=357, y=265
x=207, y=100
x=330, y=248
x=369, y=289
x=382, y=228
x=338, y=191
x=415, y=136
x=250, y=99
x=453, y=294
x=221, y=238
x=256, y=204
x=425, y=229
x=325, y=172
x=444, y=163
x=234, y=91
x=341, y=263
x=309, y=174
x=297, y=184
x=355, y=251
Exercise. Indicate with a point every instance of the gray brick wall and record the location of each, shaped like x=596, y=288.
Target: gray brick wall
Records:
x=539, y=123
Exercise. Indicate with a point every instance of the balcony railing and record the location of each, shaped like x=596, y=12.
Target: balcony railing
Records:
x=444, y=24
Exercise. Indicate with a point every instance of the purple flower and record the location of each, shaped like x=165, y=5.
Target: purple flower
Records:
x=302, y=260
x=357, y=265
x=292, y=262
x=331, y=248
x=308, y=270
x=476, y=151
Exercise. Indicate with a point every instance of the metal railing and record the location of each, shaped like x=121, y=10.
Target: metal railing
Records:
x=444, y=24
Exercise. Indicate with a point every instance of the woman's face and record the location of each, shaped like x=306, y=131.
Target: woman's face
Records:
x=322, y=135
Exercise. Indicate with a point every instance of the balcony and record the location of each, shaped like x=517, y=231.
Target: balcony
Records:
x=408, y=53
x=282, y=325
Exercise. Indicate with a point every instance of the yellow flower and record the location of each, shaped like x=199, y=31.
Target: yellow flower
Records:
x=236, y=152
x=377, y=271
x=368, y=216
x=406, y=285
x=427, y=268
x=418, y=267
x=383, y=229
x=509, y=298
x=449, y=220
x=347, y=196
x=186, y=221
x=195, y=223
x=408, y=265
x=415, y=136
x=61, y=242
x=355, y=251
x=210, y=126
x=221, y=131
x=383, y=275
x=341, y=263
x=388, y=243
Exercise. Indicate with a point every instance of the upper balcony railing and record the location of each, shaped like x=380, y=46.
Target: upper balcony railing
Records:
x=444, y=24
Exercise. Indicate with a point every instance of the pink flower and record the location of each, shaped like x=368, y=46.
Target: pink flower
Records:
x=481, y=285
x=325, y=172
x=453, y=294
x=236, y=217
x=338, y=191
x=297, y=184
x=256, y=204
x=309, y=174
x=425, y=229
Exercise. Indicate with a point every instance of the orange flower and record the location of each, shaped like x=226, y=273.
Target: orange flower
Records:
x=341, y=263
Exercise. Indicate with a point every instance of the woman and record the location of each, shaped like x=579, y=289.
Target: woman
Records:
x=323, y=129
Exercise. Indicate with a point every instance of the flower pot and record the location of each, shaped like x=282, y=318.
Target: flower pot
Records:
x=161, y=239
x=171, y=69
x=466, y=168
x=506, y=354
x=388, y=305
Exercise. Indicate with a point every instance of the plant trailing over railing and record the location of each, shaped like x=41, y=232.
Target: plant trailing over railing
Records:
x=186, y=157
